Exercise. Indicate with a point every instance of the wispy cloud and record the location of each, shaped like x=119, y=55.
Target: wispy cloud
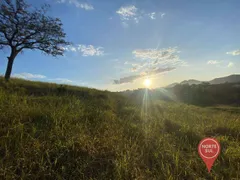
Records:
x=152, y=15
x=78, y=4
x=127, y=79
x=61, y=80
x=162, y=15
x=132, y=78
x=39, y=76
x=85, y=50
x=70, y=48
x=230, y=64
x=211, y=62
x=90, y=50
x=136, y=67
x=127, y=12
x=150, y=62
x=154, y=57
x=234, y=53
x=132, y=13
x=29, y=76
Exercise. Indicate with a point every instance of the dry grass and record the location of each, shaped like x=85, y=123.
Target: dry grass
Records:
x=49, y=131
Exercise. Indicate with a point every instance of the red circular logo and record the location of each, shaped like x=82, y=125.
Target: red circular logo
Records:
x=209, y=148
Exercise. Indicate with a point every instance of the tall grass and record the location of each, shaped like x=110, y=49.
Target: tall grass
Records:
x=48, y=131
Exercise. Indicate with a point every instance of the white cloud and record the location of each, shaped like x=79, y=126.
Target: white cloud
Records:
x=90, y=50
x=86, y=50
x=152, y=15
x=132, y=13
x=155, y=57
x=39, y=76
x=162, y=15
x=230, y=64
x=70, y=48
x=85, y=6
x=127, y=12
x=29, y=76
x=234, y=53
x=61, y=80
x=213, y=62
x=151, y=62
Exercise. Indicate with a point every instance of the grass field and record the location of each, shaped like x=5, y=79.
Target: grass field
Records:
x=48, y=131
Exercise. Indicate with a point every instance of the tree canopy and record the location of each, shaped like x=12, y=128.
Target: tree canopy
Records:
x=23, y=27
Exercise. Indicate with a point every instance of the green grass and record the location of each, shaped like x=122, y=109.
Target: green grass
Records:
x=49, y=131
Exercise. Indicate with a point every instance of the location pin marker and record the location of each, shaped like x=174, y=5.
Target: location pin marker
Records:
x=209, y=149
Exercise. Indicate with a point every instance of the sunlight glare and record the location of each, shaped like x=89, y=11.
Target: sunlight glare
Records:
x=147, y=82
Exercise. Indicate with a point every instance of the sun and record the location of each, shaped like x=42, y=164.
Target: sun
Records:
x=147, y=82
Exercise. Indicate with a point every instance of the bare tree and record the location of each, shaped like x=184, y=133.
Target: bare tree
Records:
x=22, y=27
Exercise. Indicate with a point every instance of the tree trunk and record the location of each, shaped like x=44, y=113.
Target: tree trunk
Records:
x=10, y=65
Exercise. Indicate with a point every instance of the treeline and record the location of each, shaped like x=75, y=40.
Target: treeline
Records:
x=206, y=94
x=142, y=94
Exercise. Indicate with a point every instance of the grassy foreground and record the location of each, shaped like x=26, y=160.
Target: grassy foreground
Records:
x=48, y=131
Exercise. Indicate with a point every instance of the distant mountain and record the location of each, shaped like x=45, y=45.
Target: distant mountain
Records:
x=191, y=81
x=229, y=79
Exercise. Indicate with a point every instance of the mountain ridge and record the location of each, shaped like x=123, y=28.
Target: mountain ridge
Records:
x=234, y=78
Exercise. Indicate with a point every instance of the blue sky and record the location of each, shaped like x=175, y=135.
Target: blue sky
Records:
x=118, y=44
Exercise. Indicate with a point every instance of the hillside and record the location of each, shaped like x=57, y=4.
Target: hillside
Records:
x=191, y=82
x=203, y=94
x=228, y=79
x=50, y=131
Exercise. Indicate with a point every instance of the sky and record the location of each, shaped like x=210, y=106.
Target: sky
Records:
x=118, y=44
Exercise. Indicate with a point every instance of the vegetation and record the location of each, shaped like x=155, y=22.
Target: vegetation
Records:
x=203, y=94
x=24, y=28
x=206, y=94
x=50, y=131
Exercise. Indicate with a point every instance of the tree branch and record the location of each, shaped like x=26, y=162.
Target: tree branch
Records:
x=22, y=29
x=4, y=43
